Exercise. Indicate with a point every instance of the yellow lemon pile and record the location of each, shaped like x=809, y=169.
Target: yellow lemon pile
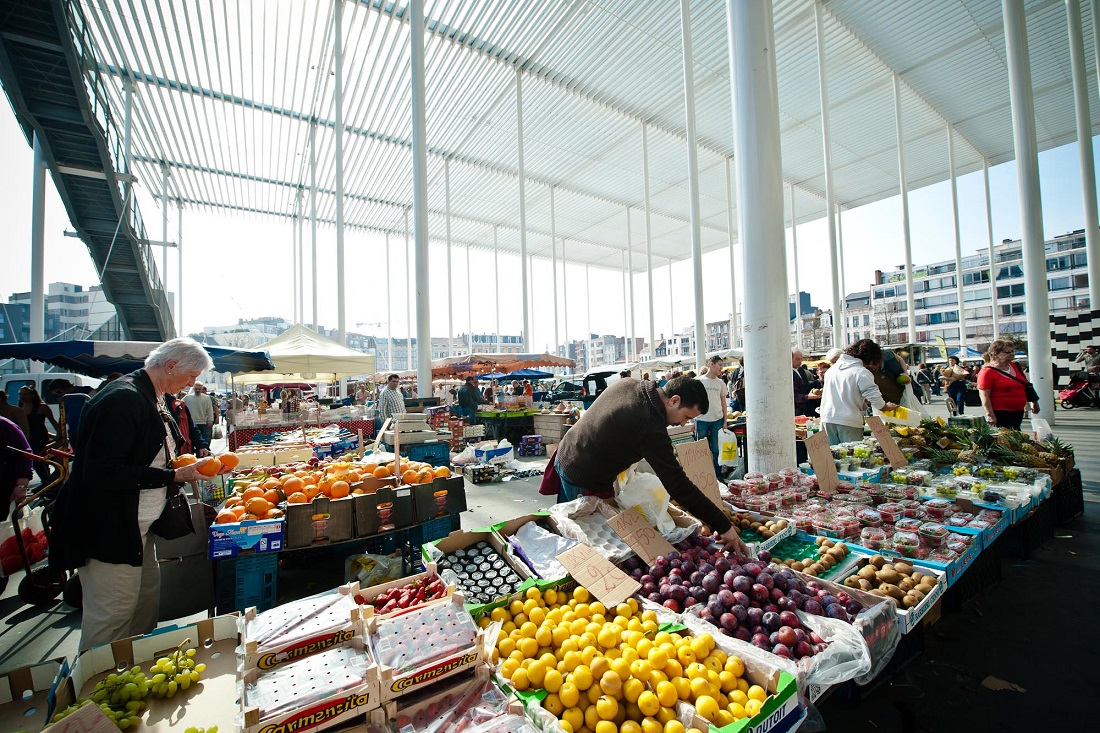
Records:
x=611, y=670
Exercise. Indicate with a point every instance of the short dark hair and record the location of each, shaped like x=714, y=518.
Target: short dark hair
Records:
x=471, y=379
x=392, y=376
x=691, y=391
x=866, y=351
x=715, y=359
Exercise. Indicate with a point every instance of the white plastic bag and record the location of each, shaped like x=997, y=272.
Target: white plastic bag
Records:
x=541, y=549
x=464, y=458
x=909, y=400
x=727, y=448
x=644, y=492
x=901, y=416
x=1040, y=429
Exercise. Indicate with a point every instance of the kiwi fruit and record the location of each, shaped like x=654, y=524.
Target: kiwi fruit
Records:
x=916, y=576
x=827, y=544
x=820, y=540
x=812, y=570
x=910, y=601
x=866, y=572
x=878, y=561
x=906, y=584
x=798, y=565
x=903, y=567
x=851, y=581
x=865, y=584
x=888, y=575
x=839, y=552
x=916, y=592
x=892, y=590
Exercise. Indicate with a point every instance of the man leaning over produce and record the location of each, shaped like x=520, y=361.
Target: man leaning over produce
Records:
x=626, y=424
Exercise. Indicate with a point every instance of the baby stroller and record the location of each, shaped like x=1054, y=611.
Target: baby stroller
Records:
x=1081, y=392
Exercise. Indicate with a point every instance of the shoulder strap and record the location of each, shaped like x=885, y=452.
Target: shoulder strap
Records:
x=1011, y=376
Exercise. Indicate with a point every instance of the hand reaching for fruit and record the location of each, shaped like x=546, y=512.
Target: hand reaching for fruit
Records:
x=733, y=542
x=203, y=468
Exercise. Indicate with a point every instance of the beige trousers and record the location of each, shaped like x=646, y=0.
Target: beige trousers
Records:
x=119, y=600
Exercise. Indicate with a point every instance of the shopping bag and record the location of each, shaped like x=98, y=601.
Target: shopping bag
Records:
x=34, y=539
x=217, y=433
x=727, y=448
x=1040, y=429
x=910, y=402
x=644, y=492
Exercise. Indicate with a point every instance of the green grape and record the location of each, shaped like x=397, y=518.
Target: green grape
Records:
x=200, y=668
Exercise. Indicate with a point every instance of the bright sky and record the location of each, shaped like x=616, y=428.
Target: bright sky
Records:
x=238, y=265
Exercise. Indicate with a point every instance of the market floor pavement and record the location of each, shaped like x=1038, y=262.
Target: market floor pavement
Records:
x=1034, y=631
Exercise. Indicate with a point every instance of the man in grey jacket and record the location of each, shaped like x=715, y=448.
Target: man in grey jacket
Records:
x=201, y=409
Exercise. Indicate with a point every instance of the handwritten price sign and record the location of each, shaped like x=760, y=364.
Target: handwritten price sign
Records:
x=696, y=460
x=889, y=445
x=639, y=535
x=821, y=458
x=602, y=579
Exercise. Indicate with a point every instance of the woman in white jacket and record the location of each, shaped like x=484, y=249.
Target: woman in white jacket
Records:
x=849, y=385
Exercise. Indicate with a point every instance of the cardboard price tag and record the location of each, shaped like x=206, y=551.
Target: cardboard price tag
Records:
x=821, y=458
x=698, y=464
x=889, y=445
x=602, y=579
x=640, y=535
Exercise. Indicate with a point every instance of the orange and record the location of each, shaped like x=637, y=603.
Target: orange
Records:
x=225, y=516
x=340, y=489
x=409, y=477
x=231, y=502
x=229, y=460
x=297, y=498
x=301, y=473
x=369, y=468
x=246, y=516
x=442, y=472
x=293, y=484
x=381, y=472
x=258, y=506
x=271, y=483
x=253, y=492
x=311, y=490
x=238, y=510
x=184, y=460
x=354, y=477
x=274, y=496
x=273, y=513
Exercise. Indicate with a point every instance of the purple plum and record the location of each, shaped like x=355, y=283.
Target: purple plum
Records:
x=782, y=650
x=741, y=599
x=759, y=593
x=728, y=621
x=812, y=606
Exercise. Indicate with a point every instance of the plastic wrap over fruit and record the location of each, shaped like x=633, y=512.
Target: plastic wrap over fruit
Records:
x=418, y=638
x=476, y=703
x=540, y=549
x=299, y=620
x=306, y=681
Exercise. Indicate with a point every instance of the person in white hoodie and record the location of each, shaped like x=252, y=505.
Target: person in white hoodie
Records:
x=849, y=385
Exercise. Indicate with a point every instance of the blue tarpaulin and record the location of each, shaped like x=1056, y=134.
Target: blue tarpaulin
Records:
x=100, y=358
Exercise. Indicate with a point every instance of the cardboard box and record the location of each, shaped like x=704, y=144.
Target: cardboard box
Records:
x=251, y=460
x=368, y=520
x=320, y=521
x=461, y=539
x=367, y=595
x=28, y=712
x=551, y=426
x=908, y=618
x=335, y=709
x=293, y=455
x=429, y=702
x=432, y=501
x=211, y=701
x=258, y=535
x=268, y=658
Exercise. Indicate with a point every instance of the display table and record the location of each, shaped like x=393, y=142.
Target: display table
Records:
x=501, y=423
x=244, y=435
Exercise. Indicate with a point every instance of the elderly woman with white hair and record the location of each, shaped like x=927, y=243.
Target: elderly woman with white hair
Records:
x=119, y=487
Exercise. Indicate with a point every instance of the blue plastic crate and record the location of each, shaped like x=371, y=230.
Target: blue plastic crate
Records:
x=436, y=454
x=247, y=580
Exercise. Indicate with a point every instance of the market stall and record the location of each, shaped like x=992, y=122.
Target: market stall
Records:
x=100, y=358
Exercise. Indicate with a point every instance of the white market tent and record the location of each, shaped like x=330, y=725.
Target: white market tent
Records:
x=303, y=355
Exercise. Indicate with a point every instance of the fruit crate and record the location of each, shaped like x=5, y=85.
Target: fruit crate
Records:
x=1023, y=539
x=246, y=581
x=431, y=531
x=981, y=577
x=1069, y=497
x=321, y=520
x=436, y=454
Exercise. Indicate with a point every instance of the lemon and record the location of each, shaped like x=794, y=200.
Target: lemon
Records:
x=628, y=654
x=657, y=658
x=633, y=689
x=613, y=653
x=674, y=669
x=500, y=614
x=735, y=665
x=713, y=678
x=591, y=717
x=621, y=667
x=756, y=692
x=607, y=707
x=683, y=687
x=711, y=662
x=611, y=683
x=559, y=635
x=572, y=660
x=666, y=714
x=752, y=707
x=666, y=693
x=644, y=647
x=567, y=726
x=553, y=705
x=508, y=627
x=707, y=706
x=674, y=726
x=570, y=645
x=520, y=619
x=737, y=710
x=657, y=676
x=582, y=677
x=743, y=685
x=739, y=697
x=594, y=629
x=589, y=654
x=519, y=680
x=599, y=665
x=533, y=594
x=550, y=597
x=650, y=725
x=606, y=726
x=648, y=704
x=508, y=668
x=580, y=595
x=569, y=695
x=727, y=681
x=574, y=716
x=537, y=615
x=552, y=681
x=544, y=636
x=516, y=607
x=536, y=673
x=686, y=655
x=700, y=686
x=640, y=669
x=529, y=605
x=630, y=726
x=662, y=638
x=576, y=626
x=506, y=646
x=529, y=648
x=724, y=718
x=593, y=693
x=609, y=636
x=719, y=655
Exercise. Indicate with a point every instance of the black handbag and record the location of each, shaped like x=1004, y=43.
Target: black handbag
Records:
x=175, y=521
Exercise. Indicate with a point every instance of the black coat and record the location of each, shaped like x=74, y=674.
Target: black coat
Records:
x=96, y=514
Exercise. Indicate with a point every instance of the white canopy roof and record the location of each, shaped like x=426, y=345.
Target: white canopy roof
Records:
x=227, y=94
x=300, y=354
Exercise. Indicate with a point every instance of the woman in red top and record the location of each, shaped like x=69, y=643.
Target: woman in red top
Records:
x=1001, y=385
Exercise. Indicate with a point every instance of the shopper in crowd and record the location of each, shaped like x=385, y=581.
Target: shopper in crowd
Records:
x=1002, y=386
x=804, y=402
x=192, y=439
x=38, y=414
x=929, y=380
x=822, y=367
x=528, y=390
x=955, y=377
x=489, y=393
x=120, y=482
x=708, y=425
x=833, y=354
x=202, y=412
x=737, y=389
x=849, y=385
x=15, y=414
x=361, y=394
x=886, y=376
x=215, y=405
x=15, y=468
x=469, y=397
x=1090, y=359
x=390, y=400
x=233, y=408
x=627, y=424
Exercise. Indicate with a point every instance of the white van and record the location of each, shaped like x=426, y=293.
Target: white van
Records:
x=12, y=383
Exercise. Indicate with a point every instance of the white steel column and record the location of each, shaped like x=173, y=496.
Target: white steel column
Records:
x=756, y=142
x=164, y=227
x=565, y=295
x=910, y=303
x=179, y=267
x=496, y=290
x=648, y=240
x=671, y=297
x=992, y=261
x=313, y=221
x=1084, y=147
x=389, y=307
x=827, y=145
x=408, y=296
x=522, y=211
x=450, y=277
x=127, y=149
x=843, y=288
x=38, y=243
x=626, y=312
x=301, y=262
x=588, y=314
x=469, y=303
x=630, y=279
x=338, y=94
x=1031, y=209
x=420, y=205
x=554, y=261
x=693, y=183
x=958, y=237
x=733, y=268
x=797, y=300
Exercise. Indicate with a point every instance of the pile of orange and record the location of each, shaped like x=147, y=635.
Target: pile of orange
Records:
x=262, y=494
x=212, y=467
x=413, y=472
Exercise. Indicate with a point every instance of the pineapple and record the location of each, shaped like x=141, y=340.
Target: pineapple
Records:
x=918, y=440
x=1059, y=448
x=1027, y=449
x=1050, y=459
